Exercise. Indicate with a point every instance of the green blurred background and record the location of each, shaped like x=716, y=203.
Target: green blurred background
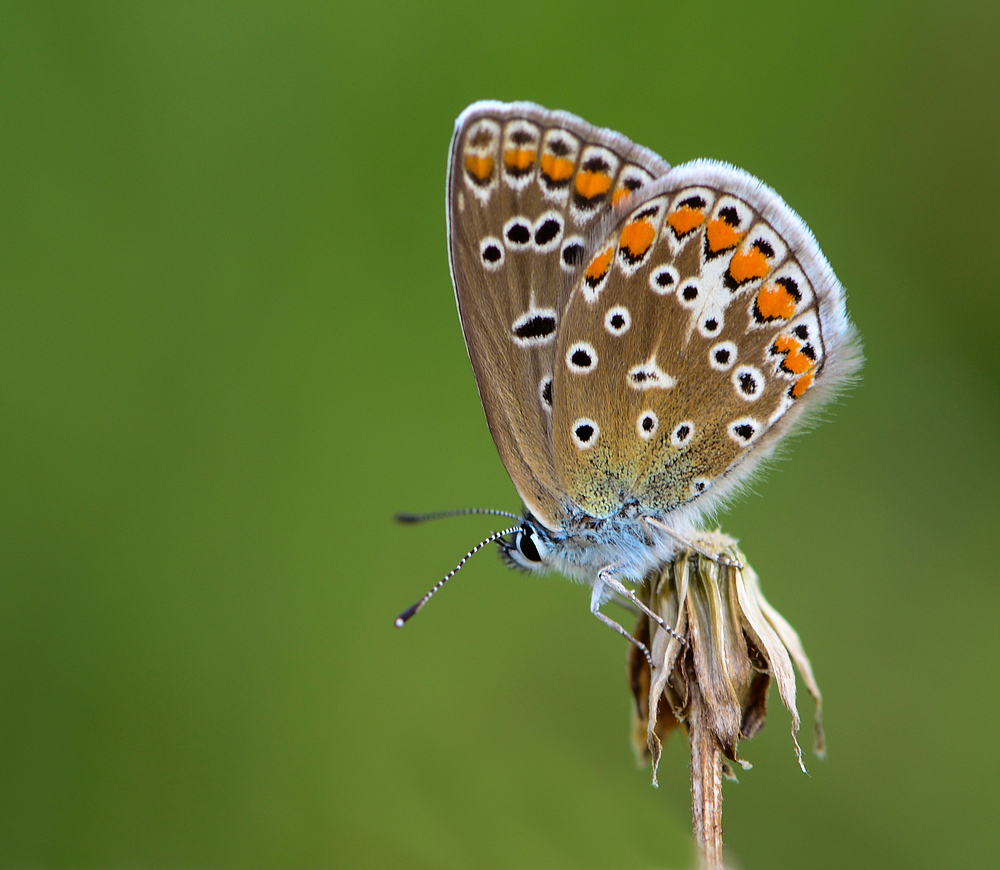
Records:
x=229, y=352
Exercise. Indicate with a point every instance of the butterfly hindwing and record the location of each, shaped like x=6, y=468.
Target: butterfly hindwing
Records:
x=527, y=190
x=701, y=328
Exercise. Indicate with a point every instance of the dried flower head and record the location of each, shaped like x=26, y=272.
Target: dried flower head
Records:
x=734, y=644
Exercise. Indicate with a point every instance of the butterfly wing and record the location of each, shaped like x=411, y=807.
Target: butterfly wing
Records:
x=703, y=325
x=526, y=189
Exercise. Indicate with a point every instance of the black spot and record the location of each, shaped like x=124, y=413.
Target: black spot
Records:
x=584, y=432
x=764, y=248
x=682, y=432
x=521, y=137
x=690, y=293
x=572, y=255
x=744, y=430
x=801, y=331
x=558, y=147
x=640, y=377
x=694, y=202
x=664, y=279
x=595, y=164
x=809, y=351
x=519, y=234
x=647, y=424
x=617, y=321
x=793, y=288
x=730, y=216
x=722, y=356
x=481, y=137
x=632, y=184
x=711, y=324
x=527, y=546
x=539, y=326
x=491, y=254
x=581, y=359
x=699, y=486
x=748, y=384
x=547, y=232
x=646, y=213
x=547, y=392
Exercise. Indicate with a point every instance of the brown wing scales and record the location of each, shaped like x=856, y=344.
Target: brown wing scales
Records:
x=706, y=332
x=525, y=186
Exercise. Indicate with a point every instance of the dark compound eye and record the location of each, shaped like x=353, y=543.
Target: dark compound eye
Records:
x=527, y=546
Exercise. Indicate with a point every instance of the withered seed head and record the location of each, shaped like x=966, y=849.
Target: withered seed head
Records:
x=734, y=643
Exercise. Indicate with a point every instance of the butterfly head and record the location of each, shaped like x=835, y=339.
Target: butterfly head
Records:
x=530, y=548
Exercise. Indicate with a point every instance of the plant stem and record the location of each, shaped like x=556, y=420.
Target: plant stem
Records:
x=706, y=784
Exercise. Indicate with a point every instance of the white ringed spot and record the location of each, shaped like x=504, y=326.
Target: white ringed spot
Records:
x=585, y=432
x=517, y=233
x=545, y=392
x=699, y=485
x=536, y=326
x=571, y=255
x=617, y=321
x=689, y=292
x=722, y=356
x=749, y=383
x=744, y=431
x=647, y=424
x=491, y=253
x=682, y=434
x=547, y=232
x=649, y=376
x=581, y=358
x=663, y=280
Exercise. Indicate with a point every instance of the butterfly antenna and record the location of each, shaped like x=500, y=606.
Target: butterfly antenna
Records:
x=410, y=612
x=463, y=512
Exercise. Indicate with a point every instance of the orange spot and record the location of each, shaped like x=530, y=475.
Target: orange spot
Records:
x=598, y=267
x=591, y=184
x=721, y=236
x=480, y=167
x=685, y=219
x=637, y=237
x=620, y=196
x=519, y=159
x=795, y=361
x=746, y=267
x=801, y=385
x=785, y=343
x=557, y=168
x=774, y=301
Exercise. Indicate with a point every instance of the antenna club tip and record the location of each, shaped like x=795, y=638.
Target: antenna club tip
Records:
x=399, y=622
x=406, y=518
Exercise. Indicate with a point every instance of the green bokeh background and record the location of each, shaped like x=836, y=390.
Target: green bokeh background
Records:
x=229, y=352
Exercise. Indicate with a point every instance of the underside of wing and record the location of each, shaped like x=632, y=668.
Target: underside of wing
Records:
x=700, y=329
x=527, y=190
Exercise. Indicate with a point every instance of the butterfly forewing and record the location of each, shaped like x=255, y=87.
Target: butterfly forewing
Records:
x=696, y=334
x=527, y=191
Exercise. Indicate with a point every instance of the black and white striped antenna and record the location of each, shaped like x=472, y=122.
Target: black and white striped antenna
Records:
x=412, y=611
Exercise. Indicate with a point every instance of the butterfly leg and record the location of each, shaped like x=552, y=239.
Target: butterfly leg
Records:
x=718, y=558
x=606, y=577
x=595, y=608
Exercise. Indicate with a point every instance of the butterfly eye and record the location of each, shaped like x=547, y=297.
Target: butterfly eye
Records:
x=526, y=546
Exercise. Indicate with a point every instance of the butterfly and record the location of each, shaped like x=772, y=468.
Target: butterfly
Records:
x=642, y=336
